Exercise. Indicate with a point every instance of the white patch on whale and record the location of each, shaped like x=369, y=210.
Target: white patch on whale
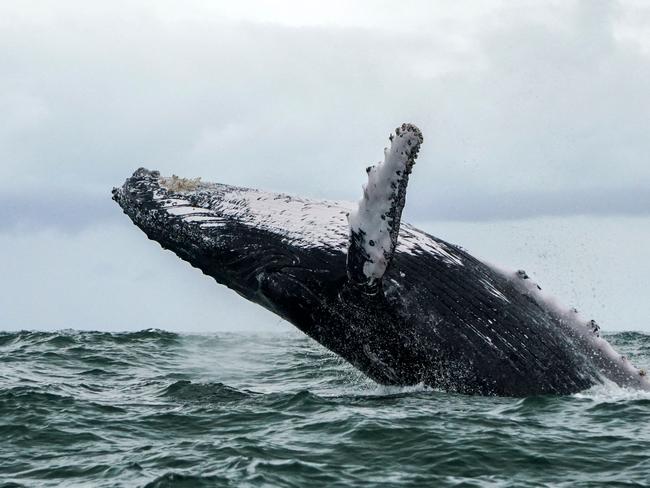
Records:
x=492, y=289
x=580, y=328
x=378, y=214
x=301, y=221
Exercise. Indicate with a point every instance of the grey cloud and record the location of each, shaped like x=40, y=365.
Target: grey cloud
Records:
x=536, y=108
x=463, y=206
x=528, y=109
x=64, y=211
x=72, y=212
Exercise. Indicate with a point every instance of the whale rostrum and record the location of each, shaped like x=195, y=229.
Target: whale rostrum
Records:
x=400, y=305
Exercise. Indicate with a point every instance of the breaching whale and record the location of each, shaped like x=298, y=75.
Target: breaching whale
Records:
x=400, y=305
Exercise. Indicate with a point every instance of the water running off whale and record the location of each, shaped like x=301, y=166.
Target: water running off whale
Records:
x=402, y=306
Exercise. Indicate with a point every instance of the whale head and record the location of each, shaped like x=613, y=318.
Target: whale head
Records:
x=276, y=250
x=287, y=254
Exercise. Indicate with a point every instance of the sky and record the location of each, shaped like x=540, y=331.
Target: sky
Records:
x=535, y=118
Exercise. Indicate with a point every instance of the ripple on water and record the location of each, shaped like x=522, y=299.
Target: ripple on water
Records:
x=185, y=390
x=159, y=409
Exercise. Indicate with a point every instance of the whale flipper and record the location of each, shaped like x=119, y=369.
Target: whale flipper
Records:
x=374, y=224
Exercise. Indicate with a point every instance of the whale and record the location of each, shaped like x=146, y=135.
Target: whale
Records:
x=400, y=305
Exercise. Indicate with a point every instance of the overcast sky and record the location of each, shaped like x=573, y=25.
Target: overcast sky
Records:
x=535, y=117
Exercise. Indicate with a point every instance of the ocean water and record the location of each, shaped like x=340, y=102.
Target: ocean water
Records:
x=159, y=409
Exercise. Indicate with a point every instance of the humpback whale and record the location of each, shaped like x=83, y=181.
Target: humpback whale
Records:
x=402, y=306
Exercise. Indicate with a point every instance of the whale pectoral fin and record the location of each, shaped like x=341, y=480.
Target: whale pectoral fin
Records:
x=374, y=225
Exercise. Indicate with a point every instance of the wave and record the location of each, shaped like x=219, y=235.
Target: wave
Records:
x=72, y=336
x=204, y=392
x=153, y=408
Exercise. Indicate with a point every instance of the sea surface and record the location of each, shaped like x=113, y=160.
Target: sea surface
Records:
x=159, y=409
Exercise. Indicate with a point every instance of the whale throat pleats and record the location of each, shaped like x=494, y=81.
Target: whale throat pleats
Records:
x=374, y=224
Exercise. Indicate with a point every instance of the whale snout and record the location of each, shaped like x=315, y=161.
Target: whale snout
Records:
x=137, y=192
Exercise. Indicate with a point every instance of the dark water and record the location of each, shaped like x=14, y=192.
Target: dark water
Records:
x=159, y=409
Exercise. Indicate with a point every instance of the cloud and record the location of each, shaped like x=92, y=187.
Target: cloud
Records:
x=633, y=201
x=528, y=109
x=74, y=213
x=66, y=211
x=544, y=101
